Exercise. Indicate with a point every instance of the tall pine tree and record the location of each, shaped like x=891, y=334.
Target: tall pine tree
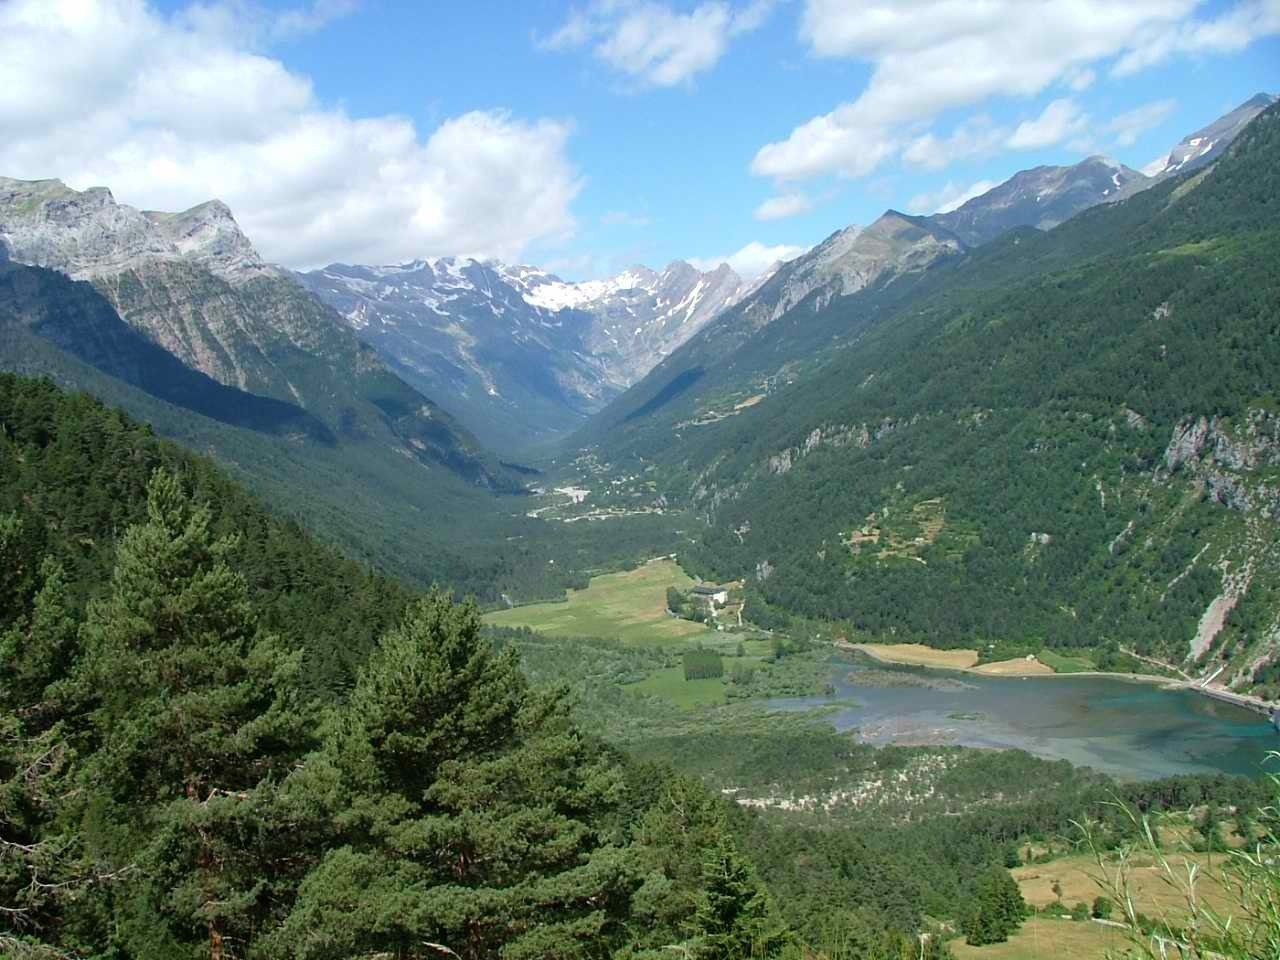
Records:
x=735, y=918
x=195, y=722
x=40, y=866
x=470, y=811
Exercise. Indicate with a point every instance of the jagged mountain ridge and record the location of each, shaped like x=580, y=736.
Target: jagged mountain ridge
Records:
x=522, y=355
x=785, y=325
x=192, y=283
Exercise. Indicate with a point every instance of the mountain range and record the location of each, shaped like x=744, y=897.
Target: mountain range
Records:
x=192, y=284
x=523, y=356
x=863, y=393
x=1062, y=437
x=796, y=318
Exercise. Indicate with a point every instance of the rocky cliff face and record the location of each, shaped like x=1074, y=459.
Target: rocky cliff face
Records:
x=86, y=234
x=190, y=281
x=851, y=260
x=193, y=285
x=523, y=355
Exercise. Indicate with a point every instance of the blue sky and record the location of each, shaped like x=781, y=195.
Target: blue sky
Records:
x=591, y=136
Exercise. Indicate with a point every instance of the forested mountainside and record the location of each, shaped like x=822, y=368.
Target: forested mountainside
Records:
x=193, y=284
x=74, y=476
x=354, y=454
x=219, y=738
x=424, y=528
x=787, y=326
x=1066, y=438
x=522, y=356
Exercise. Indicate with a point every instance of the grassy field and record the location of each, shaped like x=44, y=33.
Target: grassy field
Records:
x=629, y=606
x=1042, y=938
x=1048, y=938
x=1021, y=667
x=917, y=654
x=1151, y=892
x=1062, y=663
x=671, y=684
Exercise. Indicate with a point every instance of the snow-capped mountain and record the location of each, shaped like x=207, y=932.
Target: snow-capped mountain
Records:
x=521, y=354
x=1204, y=146
x=640, y=315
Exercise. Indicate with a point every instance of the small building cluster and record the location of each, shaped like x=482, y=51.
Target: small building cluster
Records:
x=710, y=594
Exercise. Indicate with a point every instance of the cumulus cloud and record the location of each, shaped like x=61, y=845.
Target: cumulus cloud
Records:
x=752, y=260
x=652, y=43
x=172, y=111
x=932, y=56
x=1232, y=31
x=783, y=206
x=976, y=137
x=948, y=198
x=1127, y=127
x=1059, y=120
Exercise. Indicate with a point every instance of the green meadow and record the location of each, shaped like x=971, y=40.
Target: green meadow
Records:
x=629, y=606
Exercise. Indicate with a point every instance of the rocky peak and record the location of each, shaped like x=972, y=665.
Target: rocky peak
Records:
x=677, y=271
x=1041, y=197
x=850, y=260
x=209, y=233
x=1206, y=144
x=87, y=234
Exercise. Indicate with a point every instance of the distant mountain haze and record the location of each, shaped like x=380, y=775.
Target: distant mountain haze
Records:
x=522, y=355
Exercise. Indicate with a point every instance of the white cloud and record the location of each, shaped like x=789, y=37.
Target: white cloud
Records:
x=783, y=206
x=976, y=137
x=170, y=112
x=251, y=21
x=1232, y=31
x=1059, y=120
x=948, y=198
x=1080, y=79
x=654, y=44
x=752, y=260
x=1130, y=125
x=932, y=56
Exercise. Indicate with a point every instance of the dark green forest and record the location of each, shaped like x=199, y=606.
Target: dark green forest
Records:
x=982, y=454
x=343, y=475
x=219, y=738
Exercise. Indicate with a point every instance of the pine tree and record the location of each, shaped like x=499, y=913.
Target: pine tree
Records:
x=196, y=722
x=40, y=865
x=995, y=910
x=470, y=808
x=683, y=822
x=734, y=918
